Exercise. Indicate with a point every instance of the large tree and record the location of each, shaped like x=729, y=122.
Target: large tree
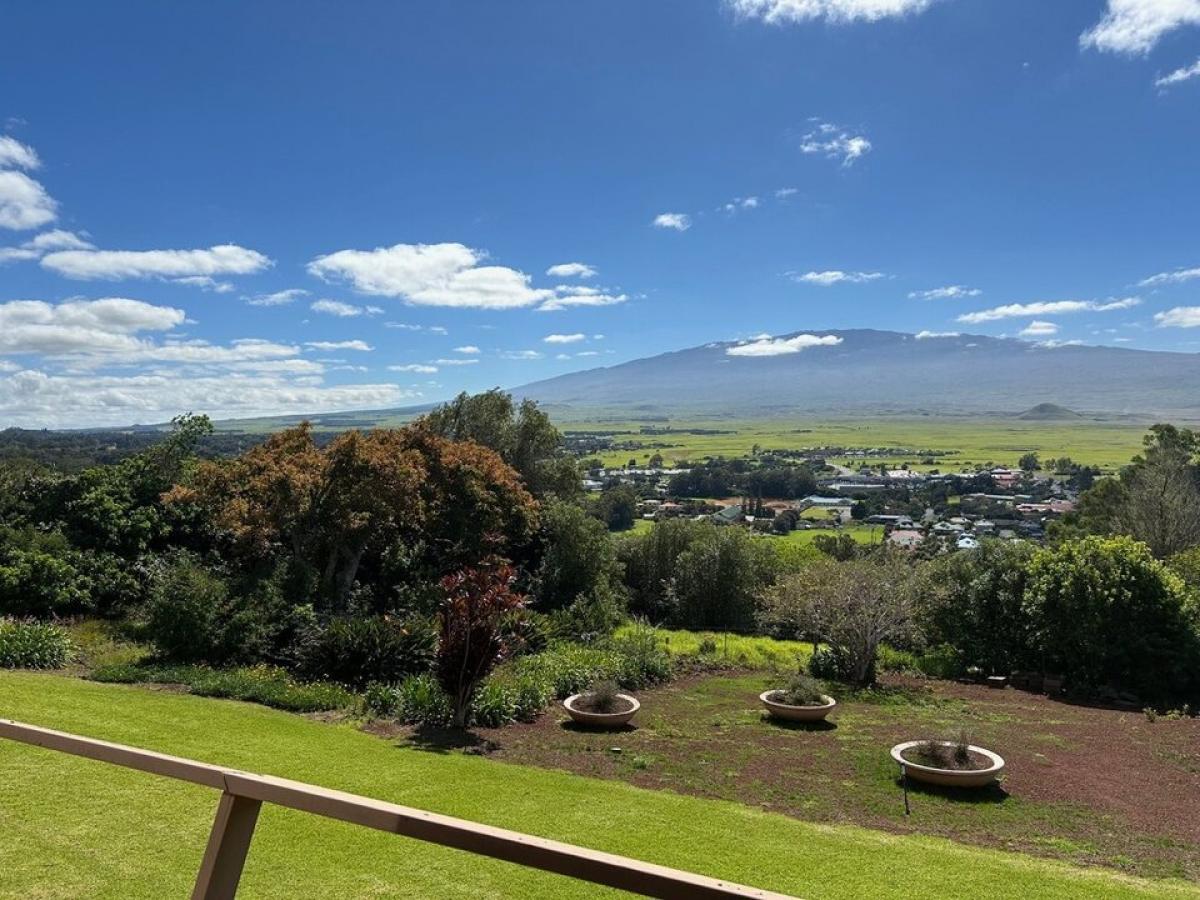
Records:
x=521, y=433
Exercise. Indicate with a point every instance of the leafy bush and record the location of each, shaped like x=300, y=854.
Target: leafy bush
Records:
x=800, y=690
x=643, y=661
x=420, y=700
x=190, y=617
x=358, y=651
x=38, y=575
x=381, y=699
x=33, y=645
x=1107, y=614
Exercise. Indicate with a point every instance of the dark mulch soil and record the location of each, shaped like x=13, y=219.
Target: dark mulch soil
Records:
x=1089, y=785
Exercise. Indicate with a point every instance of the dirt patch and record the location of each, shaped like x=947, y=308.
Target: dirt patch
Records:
x=1093, y=786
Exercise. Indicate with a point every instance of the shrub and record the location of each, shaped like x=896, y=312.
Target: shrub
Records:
x=33, y=645
x=422, y=701
x=358, y=651
x=470, y=640
x=643, y=660
x=602, y=697
x=1108, y=614
x=268, y=685
x=800, y=690
x=381, y=699
x=38, y=575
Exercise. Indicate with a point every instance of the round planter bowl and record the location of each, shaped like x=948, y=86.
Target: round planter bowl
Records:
x=789, y=713
x=599, y=719
x=968, y=778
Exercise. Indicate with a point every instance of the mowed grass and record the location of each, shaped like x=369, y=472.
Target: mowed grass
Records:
x=974, y=441
x=75, y=828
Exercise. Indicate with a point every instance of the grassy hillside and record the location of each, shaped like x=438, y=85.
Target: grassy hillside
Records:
x=74, y=828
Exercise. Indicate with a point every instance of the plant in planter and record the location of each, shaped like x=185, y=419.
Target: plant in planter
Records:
x=957, y=763
x=801, y=699
x=603, y=706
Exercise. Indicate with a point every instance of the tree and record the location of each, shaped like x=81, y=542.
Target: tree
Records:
x=1156, y=498
x=470, y=633
x=717, y=579
x=656, y=461
x=974, y=603
x=579, y=560
x=841, y=546
x=522, y=434
x=852, y=606
x=1107, y=614
x=1029, y=462
x=616, y=507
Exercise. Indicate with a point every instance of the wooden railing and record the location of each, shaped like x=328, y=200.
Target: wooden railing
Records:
x=243, y=794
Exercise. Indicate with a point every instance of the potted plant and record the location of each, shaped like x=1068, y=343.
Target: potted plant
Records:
x=957, y=763
x=604, y=706
x=801, y=699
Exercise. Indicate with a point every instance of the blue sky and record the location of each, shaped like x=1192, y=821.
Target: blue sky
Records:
x=281, y=207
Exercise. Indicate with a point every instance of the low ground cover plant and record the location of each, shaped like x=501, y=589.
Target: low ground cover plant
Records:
x=800, y=690
x=603, y=697
x=33, y=645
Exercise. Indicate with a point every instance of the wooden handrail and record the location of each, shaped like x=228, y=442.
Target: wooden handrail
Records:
x=243, y=793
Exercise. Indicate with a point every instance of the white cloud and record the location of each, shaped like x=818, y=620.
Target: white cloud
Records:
x=781, y=346
x=588, y=353
x=928, y=335
x=562, y=356
x=34, y=248
x=784, y=193
x=834, y=142
x=339, y=345
x=1179, y=276
x=81, y=326
x=468, y=349
x=224, y=259
x=835, y=276
x=951, y=292
x=437, y=329
x=24, y=203
x=1046, y=308
x=15, y=155
x=456, y=362
x=1050, y=345
x=740, y=203
x=564, y=338
x=1039, y=328
x=676, y=221
x=571, y=270
x=431, y=275
x=1179, y=317
x=1186, y=73
x=578, y=295
x=336, y=308
x=278, y=298
x=520, y=354
x=778, y=12
x=414, y=367
x=206, y=283
x=1135, y=26
x=40, y=399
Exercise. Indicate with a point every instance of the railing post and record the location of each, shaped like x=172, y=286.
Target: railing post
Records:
x=228, y=843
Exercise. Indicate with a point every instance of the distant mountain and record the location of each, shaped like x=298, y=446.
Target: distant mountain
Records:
x=863, y=371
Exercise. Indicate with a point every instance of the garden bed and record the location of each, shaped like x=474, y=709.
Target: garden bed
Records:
x=1093, y=786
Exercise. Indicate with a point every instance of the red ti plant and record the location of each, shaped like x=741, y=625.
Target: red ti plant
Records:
x=470, y=636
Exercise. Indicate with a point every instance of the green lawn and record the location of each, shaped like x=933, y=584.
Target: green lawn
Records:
x=864, y=534
x=74, y=828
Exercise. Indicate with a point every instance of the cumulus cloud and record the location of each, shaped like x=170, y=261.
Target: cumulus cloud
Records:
x=784, y=193
x=1179, y=317
x=456, y=362
x=43, y=243
x=1039, y=328
x=564, y=338
x=112, y=265
x=24, y=203
x=929, y=335
x=571, y=270
x=419, y=368
x=1179, y=276
x=834, y=142
x=782, y=346
x=738, y=203
x=520, y=354
x=1046, y=308
x=40, y=399
x=469, y=349
x=1135, y=26
x=81, y=326
x=578, y=295
x=15, y=155
x=278, y=298
x=675, y=221
x=779, y=12
x=339, y=345
x=336, y=308
x=835, y=276
x=1186, y=73
x=950, y=292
